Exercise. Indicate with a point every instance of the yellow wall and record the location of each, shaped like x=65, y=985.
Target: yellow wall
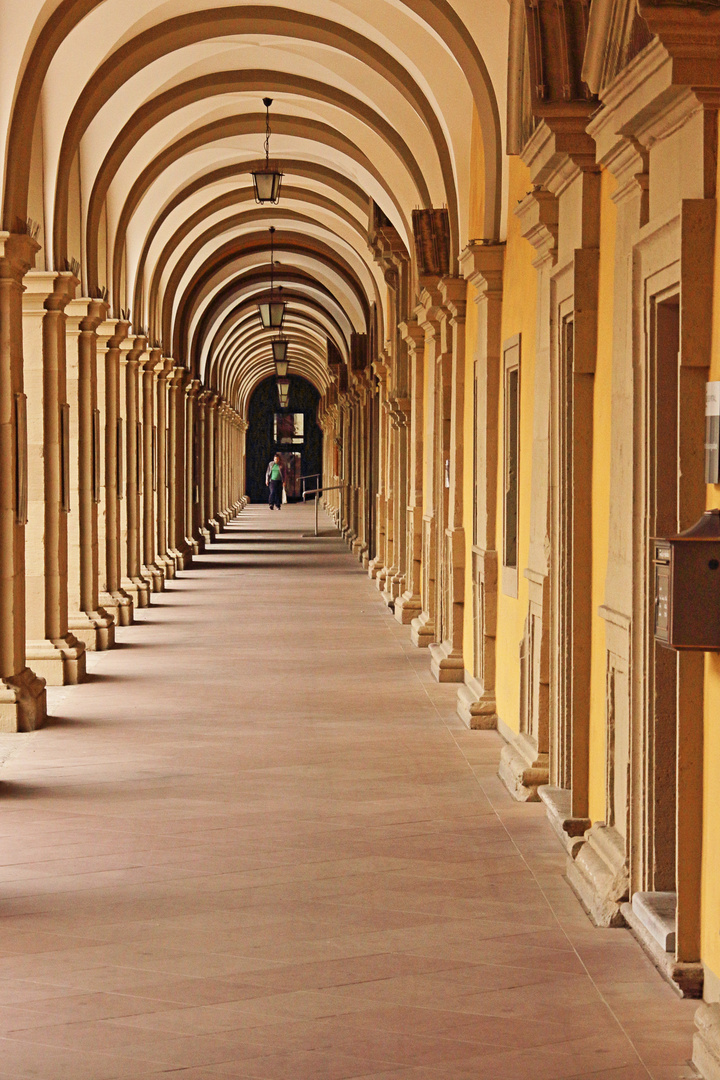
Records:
x=471, y=327
x=710, y=948
x=601, y=493
x=518, y=317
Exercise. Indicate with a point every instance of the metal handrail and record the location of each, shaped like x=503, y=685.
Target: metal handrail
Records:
x=317, y=492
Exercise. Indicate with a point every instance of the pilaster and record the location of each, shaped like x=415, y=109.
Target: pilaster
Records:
x=56, y=655
x=482, y=264
x=150, y=569
x=88, y=621
x=130, y=455
x=112, y=598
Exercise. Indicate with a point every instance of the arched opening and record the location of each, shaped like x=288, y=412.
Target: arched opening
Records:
x=293, y=432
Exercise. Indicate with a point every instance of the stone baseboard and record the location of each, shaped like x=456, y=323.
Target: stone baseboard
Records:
x=407, y=608
x=446, y=665
x=23, y=702
x=569, y=830
x=706, y=1043
x=96, y=629
x=476, y=706
x=686, y=979
x=599, y=875
x=59, y=661
x=422, y=633
x=522, y=769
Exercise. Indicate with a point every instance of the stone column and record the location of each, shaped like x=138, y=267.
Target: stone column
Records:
x=150, y=570
x=193, y=536
x=202, y=460
x=408, y=605
x=377, y=564
x=423, y=627
x=132, y=582
x=482, y=265
x=447, y=664
x=88, y=621
x=54, y=652
x=164, y=558
x=211, y=464
x=178, y=548
x=110, y=336
x=22, y=693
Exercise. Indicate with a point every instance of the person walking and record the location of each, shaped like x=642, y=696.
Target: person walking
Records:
x=275, y=481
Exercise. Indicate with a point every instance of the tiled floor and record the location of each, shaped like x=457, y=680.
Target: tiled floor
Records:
x=259, y=844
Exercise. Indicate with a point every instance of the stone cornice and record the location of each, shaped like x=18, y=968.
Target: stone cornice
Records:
x=482, y=264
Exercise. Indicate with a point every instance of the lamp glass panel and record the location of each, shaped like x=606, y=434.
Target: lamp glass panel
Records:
x=267, y=186
x=277, y=314
x=279, y=348
x=281, y=368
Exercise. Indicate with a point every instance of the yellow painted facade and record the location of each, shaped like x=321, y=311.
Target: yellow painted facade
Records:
x=518, y=317
x=601, y=493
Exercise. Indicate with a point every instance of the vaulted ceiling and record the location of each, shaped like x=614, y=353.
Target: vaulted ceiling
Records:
x=132, y=126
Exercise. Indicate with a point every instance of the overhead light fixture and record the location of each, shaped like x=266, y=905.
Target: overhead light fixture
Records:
x=267, y=181
x=280, y=348
x=283, y=387
x=272, y=311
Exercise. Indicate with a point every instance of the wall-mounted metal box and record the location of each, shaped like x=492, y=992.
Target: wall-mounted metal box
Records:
x=687, y=586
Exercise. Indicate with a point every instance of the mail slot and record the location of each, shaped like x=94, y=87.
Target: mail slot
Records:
x=687, y=586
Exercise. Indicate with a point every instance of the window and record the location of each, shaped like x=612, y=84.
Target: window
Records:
x=289, y=427
x=511, y=456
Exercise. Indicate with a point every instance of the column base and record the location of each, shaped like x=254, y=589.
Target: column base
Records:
x=23, y=702
x=214, y=527
x=374, y=567
x=599, y=875
x=476, y=706
x=407, y=607
x=206, y=536
x=137, y=589
x=569, y=830
x=196, y=544
x=154, y=575
x=167, y=564
x=422, y=631
x=446, y=665
x=706, y=1043
x=182, y=559
x=96, y=629
x=59, y=661
x=686, y=979
x=522, y=769
x=118, y=604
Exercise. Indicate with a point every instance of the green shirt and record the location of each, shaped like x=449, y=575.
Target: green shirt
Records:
x=275, y=472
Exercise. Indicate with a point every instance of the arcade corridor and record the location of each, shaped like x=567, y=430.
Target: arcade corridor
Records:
x=259, y=843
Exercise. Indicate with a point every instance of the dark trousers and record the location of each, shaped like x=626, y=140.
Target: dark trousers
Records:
x=275, y=498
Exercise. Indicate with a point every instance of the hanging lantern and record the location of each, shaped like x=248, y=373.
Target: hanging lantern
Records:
x=283, y=386
x=267, y=181
x=279, y=348
x=272, y=311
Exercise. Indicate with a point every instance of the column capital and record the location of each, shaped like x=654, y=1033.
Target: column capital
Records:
x=150, y=360
x=47, y=290
x=193, y=388
x=454, y=295
x=111, y=333
x=482, y=263
x=85, y=314
x=17, y=254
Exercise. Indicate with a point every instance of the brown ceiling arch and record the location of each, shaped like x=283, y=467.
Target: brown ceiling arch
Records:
x=250, y=246
x=226, y=82
x=437, y=14
x=215, y=130
x=244, y=311
x=193, y=27
x=253, y=243
x=223, y=202
x=331, y=179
